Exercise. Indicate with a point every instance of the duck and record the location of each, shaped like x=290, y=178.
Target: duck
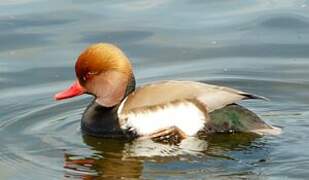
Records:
x=162, y=110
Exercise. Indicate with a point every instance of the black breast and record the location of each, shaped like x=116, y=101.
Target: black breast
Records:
x=102, y=121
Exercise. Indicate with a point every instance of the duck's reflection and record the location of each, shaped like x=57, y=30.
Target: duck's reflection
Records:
x=114, y=158
x=107, y=161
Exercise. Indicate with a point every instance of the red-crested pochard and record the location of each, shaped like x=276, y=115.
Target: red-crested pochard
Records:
x=160, y=110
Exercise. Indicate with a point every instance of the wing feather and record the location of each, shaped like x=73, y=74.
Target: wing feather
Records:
x=212, y=96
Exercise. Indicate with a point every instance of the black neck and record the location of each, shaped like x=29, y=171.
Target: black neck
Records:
x=102, y=121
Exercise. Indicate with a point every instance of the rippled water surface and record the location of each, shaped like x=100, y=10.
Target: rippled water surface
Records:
x=257, y=46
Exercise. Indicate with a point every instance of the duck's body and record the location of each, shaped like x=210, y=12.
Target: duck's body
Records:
x=158, y=110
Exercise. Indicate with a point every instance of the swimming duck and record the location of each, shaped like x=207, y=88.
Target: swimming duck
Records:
x=160, y=110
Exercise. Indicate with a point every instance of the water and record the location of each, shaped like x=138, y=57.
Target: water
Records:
x=257, y=46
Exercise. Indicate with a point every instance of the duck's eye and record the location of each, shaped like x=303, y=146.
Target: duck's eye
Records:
x=92, y=73
x=89, y=75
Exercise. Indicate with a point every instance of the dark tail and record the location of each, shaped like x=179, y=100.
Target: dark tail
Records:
x=253, y=96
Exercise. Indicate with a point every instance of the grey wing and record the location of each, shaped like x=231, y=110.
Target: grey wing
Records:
x=211, y=96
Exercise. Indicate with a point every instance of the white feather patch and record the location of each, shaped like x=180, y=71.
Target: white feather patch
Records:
x=185, y=116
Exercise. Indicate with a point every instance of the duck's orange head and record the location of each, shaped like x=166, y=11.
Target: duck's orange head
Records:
x=102, y=70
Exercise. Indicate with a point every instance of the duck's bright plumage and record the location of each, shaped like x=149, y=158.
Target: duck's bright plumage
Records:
x=160, y=109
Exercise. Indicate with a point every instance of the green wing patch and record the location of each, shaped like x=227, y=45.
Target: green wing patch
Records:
x=234, y=118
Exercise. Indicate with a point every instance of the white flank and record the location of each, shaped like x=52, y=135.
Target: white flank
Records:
x=186, y=116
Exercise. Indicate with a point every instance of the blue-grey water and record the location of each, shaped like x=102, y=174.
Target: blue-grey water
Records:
x=257, y=46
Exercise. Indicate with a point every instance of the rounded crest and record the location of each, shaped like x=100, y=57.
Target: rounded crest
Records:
x=101, y=57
